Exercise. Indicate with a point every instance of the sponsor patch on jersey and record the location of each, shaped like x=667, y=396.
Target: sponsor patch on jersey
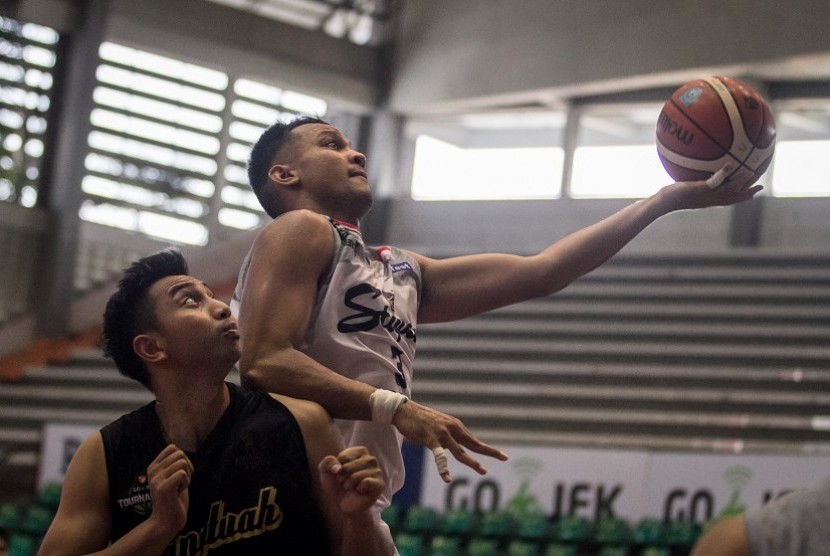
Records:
x=401, y=267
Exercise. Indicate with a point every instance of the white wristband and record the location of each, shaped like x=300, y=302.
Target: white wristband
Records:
x=384, y=404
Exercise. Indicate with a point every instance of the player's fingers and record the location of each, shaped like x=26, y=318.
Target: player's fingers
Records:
x=172, y=484
x=371, y=486
x=329, y=464
x=352, y=453
x=356, y=465
x=716, y=179
x=463, y=436
x=462, y=456
x=441, y=462
x=353, y=480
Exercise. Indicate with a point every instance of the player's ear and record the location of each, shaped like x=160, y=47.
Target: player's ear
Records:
x=149, y=347
x=283, y=174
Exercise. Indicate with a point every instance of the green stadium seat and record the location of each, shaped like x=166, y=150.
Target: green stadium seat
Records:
x=391, y=515
x=50, y=495
x=420, y=519
x=613, y=550
x=571, y=528
x=521, y=548
x=534, y=525
x=37, y=519
x=648, y=531
x=482, y=547
x=655, y=551
x=442, y=545
x=560, y=549
x=22, y=545
x=459, y=522
x=10, y=516
x=681, y=533
x=495, y=524
x=611, y=530
x=409, y=544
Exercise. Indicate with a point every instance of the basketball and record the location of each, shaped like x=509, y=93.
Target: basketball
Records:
x=711, y=123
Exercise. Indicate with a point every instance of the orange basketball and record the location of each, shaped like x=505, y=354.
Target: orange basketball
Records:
x=709, y=123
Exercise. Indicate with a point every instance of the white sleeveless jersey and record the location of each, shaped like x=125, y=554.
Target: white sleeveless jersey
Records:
x=363, y=327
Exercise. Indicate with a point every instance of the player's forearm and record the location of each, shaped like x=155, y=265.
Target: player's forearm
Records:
x=363, y=537
x=147, y=539
x=586, y=249
x=292, y=373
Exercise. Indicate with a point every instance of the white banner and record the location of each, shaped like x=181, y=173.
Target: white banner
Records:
x=626, y=484
x=58, y=444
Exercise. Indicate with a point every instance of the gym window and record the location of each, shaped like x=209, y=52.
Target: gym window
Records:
x=27, y=60
x=489, y=157
x=170, y=142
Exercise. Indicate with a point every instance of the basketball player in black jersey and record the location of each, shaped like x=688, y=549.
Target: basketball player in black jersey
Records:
x=207, y=467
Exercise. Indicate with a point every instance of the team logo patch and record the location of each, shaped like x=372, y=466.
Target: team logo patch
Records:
x=138, y=498
x=691, y=96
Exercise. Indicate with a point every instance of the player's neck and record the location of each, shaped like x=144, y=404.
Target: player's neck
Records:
x=353, y=224
x=188, y=412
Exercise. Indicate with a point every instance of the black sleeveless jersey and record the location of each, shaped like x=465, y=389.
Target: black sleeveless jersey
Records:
x=251, y=490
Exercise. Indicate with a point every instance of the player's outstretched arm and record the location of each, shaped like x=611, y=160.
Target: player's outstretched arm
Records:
x=347, y=483
x=83, y=522
x=289, y=257
x=462, y=286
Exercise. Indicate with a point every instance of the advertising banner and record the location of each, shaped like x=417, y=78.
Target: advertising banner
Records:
x=626, y=484
x=58, y=444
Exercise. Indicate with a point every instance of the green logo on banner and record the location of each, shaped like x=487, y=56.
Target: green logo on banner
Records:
x=737, y=478
x=524, y=501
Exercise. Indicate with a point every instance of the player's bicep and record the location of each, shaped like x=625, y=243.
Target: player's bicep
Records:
x=83, y=522
x=288, y=259
x=459, y=287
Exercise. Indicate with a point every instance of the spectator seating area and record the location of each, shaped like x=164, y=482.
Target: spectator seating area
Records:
x=27, y=519
x=423, y=531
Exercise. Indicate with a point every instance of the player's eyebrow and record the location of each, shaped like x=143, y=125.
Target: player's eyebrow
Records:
x=176, y=288
x=332, y=134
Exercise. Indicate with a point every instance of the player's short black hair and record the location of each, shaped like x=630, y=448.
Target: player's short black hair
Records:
x=129, y=312
x=262, y=158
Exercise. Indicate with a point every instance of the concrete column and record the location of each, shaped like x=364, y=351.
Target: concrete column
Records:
x=61, y=195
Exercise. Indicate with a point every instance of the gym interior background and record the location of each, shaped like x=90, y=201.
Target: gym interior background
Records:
x=125, y=126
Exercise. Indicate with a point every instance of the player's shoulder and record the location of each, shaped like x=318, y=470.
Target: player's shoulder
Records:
x=90, y=454
x=302, y=230
x=302, y=221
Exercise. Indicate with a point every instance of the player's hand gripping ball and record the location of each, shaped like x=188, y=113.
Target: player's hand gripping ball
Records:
x=709, y=124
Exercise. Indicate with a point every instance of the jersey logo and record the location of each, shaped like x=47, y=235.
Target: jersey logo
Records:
x=367, y=318
x=138, y=498
x=225, y=527
x=401, y=267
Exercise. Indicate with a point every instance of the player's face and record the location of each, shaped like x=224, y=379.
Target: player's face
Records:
x=194, y=327
x=330, y=170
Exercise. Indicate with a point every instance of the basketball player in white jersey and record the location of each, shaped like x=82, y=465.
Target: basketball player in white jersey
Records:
x=325, y=318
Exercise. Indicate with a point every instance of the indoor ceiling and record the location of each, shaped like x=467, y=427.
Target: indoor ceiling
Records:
x=359, y=21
